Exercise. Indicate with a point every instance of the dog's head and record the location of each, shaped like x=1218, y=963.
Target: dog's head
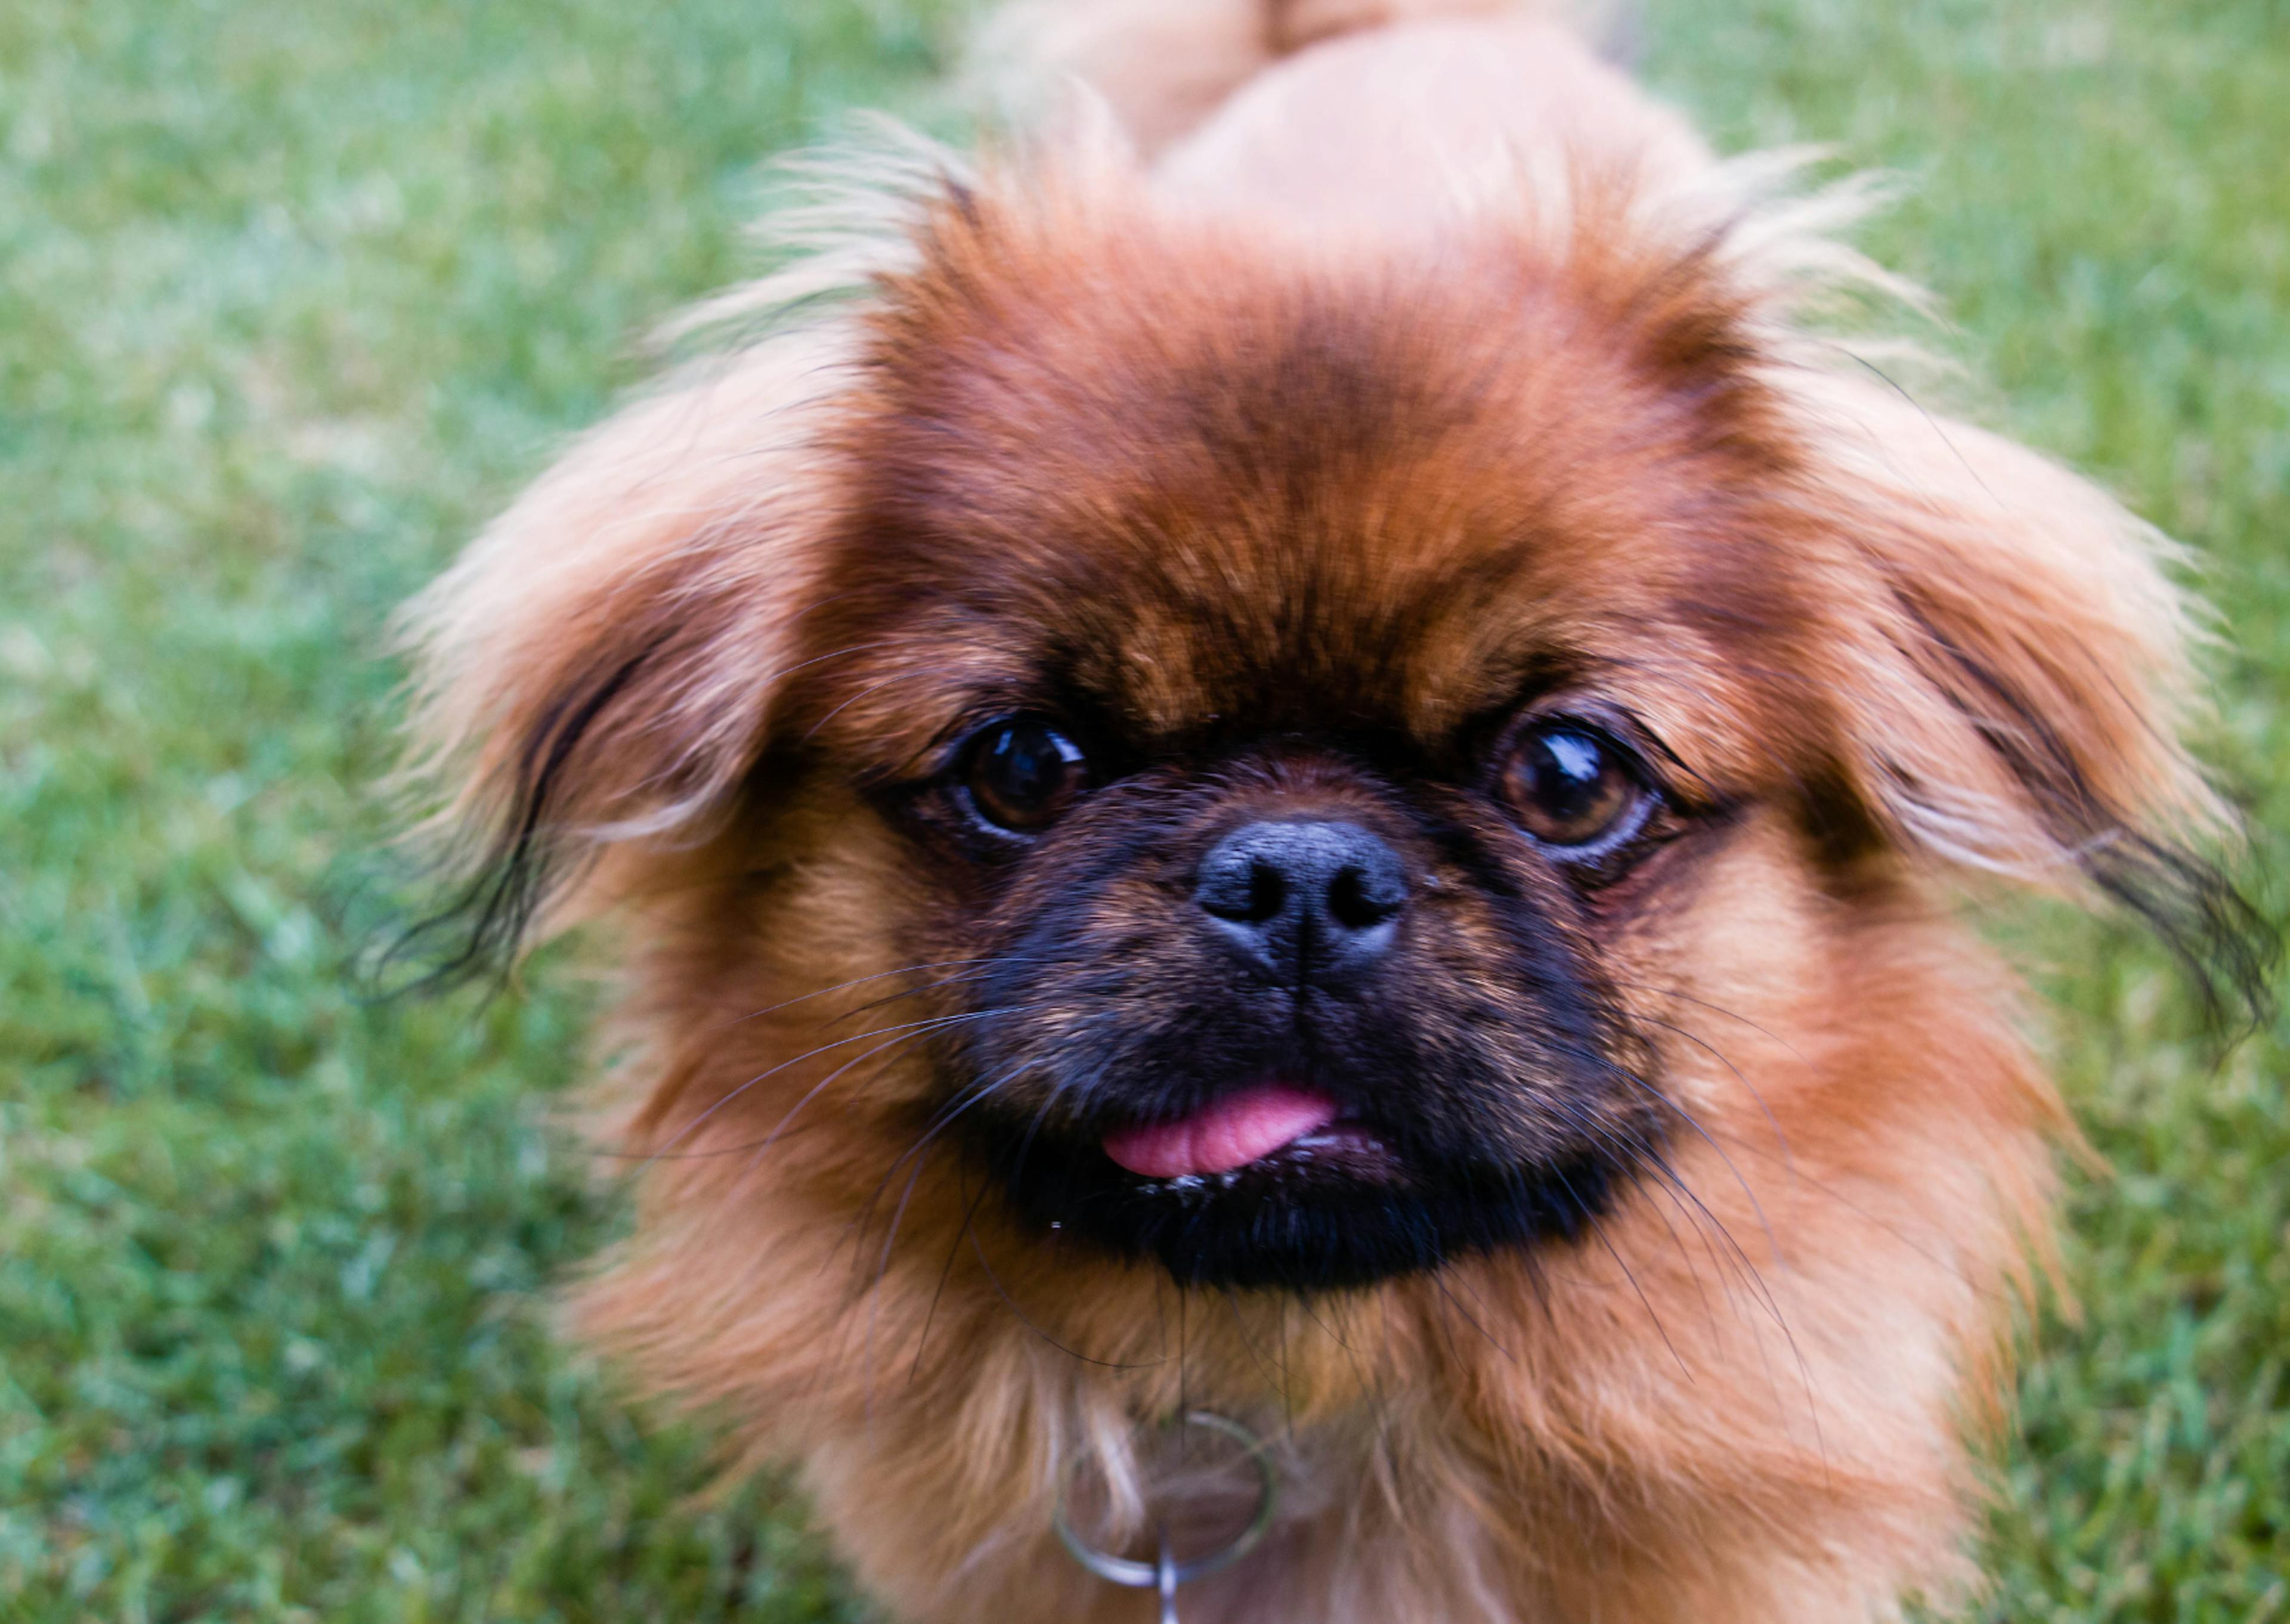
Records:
x=1281, y=744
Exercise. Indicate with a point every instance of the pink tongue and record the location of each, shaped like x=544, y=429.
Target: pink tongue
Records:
x=1231, y=1133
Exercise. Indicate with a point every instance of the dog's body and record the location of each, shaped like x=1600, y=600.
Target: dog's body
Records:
x=1419, y=382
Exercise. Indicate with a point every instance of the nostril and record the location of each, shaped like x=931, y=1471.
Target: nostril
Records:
x=1266, y=891
x=1243, y=889
x=1360, y=900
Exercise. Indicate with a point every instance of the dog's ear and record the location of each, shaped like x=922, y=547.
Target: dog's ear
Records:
x=2018, y=698
x=600, y=666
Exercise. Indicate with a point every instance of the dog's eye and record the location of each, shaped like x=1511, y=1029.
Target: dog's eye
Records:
x=1021, y=774
x=1569, y=785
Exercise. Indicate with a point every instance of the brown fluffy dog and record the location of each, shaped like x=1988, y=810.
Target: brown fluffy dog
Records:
x=1312, y=759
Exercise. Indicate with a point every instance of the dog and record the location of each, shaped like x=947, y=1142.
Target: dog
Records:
x=1308, y=749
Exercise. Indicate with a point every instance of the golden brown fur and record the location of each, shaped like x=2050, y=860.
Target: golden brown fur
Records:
x=1416, y=359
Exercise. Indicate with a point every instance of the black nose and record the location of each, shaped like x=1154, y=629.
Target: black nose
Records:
x=1305, y=902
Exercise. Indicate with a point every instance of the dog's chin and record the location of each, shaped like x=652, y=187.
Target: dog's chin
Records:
x=1342, y=1206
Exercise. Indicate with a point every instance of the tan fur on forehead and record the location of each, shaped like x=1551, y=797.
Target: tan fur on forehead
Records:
x=1181, y=468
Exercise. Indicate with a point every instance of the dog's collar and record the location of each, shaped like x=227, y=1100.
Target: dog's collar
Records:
x=1166, y=1573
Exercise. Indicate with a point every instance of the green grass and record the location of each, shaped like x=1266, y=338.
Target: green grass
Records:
x=292, y=297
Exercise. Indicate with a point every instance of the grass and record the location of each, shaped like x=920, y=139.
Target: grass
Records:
x=292, y=297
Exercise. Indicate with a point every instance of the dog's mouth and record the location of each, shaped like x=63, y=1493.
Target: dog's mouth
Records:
x=1281, y=1184
x=1273, y=1129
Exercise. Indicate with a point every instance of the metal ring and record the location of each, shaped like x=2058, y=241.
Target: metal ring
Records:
x=1163, y=1574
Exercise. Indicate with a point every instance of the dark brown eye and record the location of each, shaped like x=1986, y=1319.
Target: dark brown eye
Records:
x=1022, y=774
x=1569, y=785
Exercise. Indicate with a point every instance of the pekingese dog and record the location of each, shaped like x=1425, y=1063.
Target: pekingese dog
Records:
x=1313, y=761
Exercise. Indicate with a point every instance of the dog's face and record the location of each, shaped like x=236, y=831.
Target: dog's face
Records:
x=1311, y=721
x=1296, y=739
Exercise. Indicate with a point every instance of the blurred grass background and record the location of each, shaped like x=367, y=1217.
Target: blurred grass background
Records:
x=293, y=296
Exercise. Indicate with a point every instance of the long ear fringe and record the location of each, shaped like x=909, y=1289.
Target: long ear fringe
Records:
x=501, y=860
x=2022, y=702
x=598, y=669
x=2029, y=675
x=579, y=618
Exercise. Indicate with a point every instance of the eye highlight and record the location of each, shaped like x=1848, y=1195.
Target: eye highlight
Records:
x=1571, y=787
x=1020, y=774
